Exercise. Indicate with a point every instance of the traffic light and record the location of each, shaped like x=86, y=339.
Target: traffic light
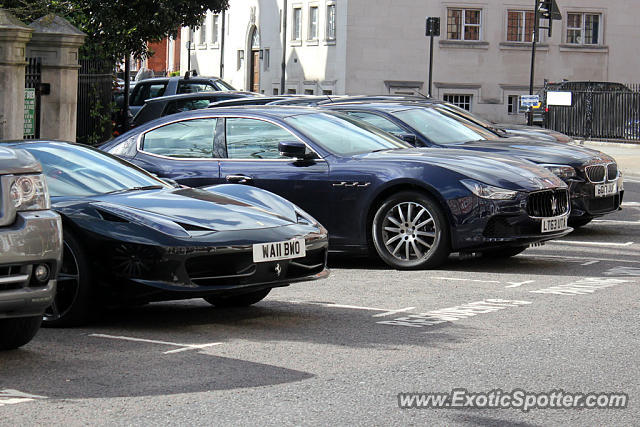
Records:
x=433, y=26
x=548, y=9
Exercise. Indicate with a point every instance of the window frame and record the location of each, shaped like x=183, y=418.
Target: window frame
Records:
x=296, y=23
x=330, y=24
x=450, y=98
x=582, y=28
x=215, y=29
x=513, y=109
x=463, y=23
x=142, y=137
x=523, y=33
x=313, y=36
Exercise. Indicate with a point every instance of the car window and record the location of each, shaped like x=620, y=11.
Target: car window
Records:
x=254, y=139
x=186, y=139
x=73, y=170
x=377, y=121
x=185, y=105
x=195, y=87
x=438, y=127
x=147, y=91
x=223, y=86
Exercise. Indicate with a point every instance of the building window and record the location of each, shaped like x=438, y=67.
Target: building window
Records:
x=583, y=28
x=308, y=92
x=291, y=91
x=313, y=23
x=296, y=30
x=275, y=90
x=463, y=24
x=203, y=34
x=215, y=23
x=331, y=22
x=462, y=101
x=327, y=92
x=266, y=59
x=513, y=104
x=520, y=25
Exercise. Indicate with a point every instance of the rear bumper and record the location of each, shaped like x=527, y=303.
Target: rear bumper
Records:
x=34, y=238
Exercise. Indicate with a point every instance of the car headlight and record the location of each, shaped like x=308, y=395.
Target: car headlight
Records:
x=305, y=218
x=561, y=171
x=487, y=191
x=29, y=193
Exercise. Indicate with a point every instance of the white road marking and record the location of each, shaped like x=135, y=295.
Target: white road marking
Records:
x=575, y=242
x=353, y=307
x=184, y=347
x=389, y=313
x=13, y=397
x=623, y=271
x=453, y=314
x=590, y=263
x=631, y=204
x=465, y=280
x=518, y=284
x=579, y=259
x=613, y=221
x=582, y=287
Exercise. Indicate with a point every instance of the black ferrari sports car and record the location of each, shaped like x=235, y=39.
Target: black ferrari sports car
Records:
x=130, y=237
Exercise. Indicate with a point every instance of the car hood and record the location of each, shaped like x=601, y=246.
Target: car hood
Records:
x=185, y=211
x=541, y=152
x=492, y=169
x=16, y=161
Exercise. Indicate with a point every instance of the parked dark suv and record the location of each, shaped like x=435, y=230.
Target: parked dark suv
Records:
x=165, y=86
x=30, y=248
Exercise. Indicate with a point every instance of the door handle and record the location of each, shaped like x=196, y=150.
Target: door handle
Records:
x=238, y=179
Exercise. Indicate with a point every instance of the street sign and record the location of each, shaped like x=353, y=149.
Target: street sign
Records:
x=29, y=112
x=559, y=98
x=529, y=100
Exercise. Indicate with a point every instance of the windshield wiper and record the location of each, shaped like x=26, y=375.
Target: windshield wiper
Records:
x=143, y=188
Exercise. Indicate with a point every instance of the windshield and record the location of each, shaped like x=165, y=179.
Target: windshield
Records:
x=467, y=115
x=74, y=170
x=342, y=135
x=439, y=127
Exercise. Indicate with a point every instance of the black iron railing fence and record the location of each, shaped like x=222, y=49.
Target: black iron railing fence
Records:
x=33, y=78
x=95, y=86
x=604, y=111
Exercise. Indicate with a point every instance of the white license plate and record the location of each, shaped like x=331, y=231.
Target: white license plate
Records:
x=554, y=224
x=276, y=251
x=604, y=190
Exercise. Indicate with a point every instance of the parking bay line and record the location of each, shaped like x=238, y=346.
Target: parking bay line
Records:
x=183, y=347
x=576, y=242
x=614, y=221
x=385, y=311
x=579, y=259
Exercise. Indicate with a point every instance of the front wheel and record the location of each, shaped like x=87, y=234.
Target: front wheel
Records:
x=17, y=332
x=410, y=231
x=242, y=300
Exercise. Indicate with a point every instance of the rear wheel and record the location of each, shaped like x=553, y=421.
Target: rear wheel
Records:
x=242, y=300
x=410, y=231
x=17, y=332
x=72, y=303
x=507, y=252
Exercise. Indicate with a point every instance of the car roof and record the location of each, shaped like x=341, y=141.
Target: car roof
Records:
x=166, y=79
x=388, y=106
x=202, y=95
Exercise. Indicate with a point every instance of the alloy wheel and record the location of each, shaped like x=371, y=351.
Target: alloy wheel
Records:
x=68, y=286
x=409, y=231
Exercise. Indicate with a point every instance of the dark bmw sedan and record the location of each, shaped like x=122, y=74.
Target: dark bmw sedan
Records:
x=129, y=237
x=413, y=206
x=595, y=184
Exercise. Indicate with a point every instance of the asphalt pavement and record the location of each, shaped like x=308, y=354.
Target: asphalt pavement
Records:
x=339, y=351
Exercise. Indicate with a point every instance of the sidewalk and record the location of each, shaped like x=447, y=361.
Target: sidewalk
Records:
x=627, y=155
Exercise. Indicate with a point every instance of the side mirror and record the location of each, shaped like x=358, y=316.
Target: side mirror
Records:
x=294, y=149
x=407, y=137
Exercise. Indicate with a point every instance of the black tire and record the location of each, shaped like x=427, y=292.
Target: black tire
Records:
x=507, y=252
x=73, y=302
x=17, y=332
x=410, y=222
x=242, y=300
x=579, y=222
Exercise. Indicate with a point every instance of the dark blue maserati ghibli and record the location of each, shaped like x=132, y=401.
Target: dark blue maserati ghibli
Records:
x=414, y=206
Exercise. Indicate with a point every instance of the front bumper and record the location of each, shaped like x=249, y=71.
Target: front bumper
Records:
x=584, y=203
x=489, y=224
x=34, y=238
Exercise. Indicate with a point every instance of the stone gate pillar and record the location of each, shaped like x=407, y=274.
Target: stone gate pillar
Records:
x=56, y=41
x=14, y=36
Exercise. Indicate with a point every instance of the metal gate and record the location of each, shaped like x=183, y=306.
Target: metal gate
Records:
x=608, y=112
x=32, y=86
x=95, y=86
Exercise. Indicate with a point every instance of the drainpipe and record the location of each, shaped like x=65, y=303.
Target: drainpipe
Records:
x=284, y=47
x=224, y=15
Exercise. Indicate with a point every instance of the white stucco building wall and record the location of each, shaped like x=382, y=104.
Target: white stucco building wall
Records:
x=380, y=47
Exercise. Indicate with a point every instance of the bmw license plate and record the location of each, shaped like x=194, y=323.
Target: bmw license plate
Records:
x=604, y=190
x=554, y=224
x=276, y=251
